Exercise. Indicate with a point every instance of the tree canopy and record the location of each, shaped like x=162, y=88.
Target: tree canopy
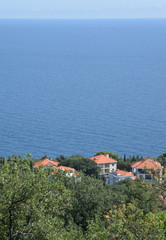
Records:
x=162, y=159
x=115, y=156
x=31, y=205
x=45, y=204
x=80, y=163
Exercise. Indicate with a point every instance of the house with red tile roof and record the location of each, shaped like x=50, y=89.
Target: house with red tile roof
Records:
x=147, y=169
x=119, y=175
x=69, y=171
x=106, y=163
x=64, y=168
x=45, y=163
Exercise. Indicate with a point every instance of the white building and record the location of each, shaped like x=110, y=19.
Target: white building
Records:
x=119, y=175
x=106, y=163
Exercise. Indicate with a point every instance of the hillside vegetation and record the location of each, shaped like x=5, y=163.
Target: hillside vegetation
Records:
x=45, y=204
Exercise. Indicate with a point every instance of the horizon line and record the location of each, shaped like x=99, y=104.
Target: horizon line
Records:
x=83, y=18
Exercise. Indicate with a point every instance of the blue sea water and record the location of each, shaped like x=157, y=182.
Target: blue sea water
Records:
x=81, y=86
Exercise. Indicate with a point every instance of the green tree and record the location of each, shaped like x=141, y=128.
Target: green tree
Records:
x=130, y=223
x=162, y=159
x=124, y=165
x=33, y=204
x=97, y=230
x=85, y=165
x=91, y=198
x=115, y=156
x=140, y=193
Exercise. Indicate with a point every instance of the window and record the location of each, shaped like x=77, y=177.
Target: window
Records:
x=107, y=165
x=141, y=176
x=112, y=164
x=147, y=176
x=134, y=170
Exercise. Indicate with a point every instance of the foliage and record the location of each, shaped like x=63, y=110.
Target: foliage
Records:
x=140, y=193
x=124, y=165
x=115, y=156
x=97, y=230
x=85, y=165
x=46, y=204
x=45, y=156
x=31, y=205
x=91, y=198
x=162, y=159
x=130, y=223
x=134, y=158
x=2, y=160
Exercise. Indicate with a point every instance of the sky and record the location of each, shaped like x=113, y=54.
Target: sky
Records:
x=82, y=8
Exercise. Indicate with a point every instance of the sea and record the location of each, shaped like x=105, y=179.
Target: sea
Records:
x=82, y=86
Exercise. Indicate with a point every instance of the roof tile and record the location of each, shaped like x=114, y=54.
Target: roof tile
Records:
x=147, y=163
x=102, y=159
x=46, y=163
x=125, y=174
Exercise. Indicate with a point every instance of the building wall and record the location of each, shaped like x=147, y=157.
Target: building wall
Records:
x=142, y=174
x=113, y=178
x=107, y=167
x=112, y=167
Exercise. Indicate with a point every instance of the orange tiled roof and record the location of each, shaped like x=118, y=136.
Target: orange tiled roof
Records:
x=46, y=162
x=64, y=168
x=123, y=173
x=126, y=174
x=147, y=163
x=102, y=159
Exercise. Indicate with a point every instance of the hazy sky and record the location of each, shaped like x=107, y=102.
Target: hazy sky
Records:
x=82, y=8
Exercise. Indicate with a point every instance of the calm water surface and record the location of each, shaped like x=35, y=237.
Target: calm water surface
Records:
x=81, y=86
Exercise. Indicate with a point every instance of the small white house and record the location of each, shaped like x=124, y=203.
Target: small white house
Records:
x=47, y=163
x=119, y=175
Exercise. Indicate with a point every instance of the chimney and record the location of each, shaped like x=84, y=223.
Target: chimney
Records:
x=107, y=155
